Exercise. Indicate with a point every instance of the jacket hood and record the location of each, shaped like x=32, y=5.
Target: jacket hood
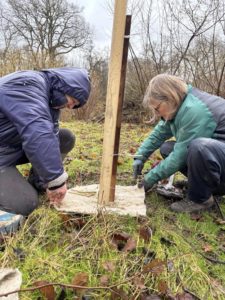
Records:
x=72, y=81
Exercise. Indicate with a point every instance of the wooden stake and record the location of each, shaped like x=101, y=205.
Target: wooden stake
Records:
x=114, y=100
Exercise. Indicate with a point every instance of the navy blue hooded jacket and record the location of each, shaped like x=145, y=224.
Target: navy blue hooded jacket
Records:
x=28, y=120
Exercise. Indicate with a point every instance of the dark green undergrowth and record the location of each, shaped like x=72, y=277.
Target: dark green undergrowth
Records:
x=121, y=257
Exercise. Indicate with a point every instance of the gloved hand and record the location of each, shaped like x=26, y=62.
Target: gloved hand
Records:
x=137, y=167
x=147, y=186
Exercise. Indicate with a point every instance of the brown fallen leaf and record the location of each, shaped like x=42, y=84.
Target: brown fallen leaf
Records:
x=163, y=287
x=196, y=217
x=118, y=294
x=80, y=279
x=145, y=233
x=220, y=221
x=120, y=236
x=109, y=266
x=207, y=248
x=104, y=280
x=130, y=245
x=156, y=266
x=184, y=296
x=119, y=240
x=139, y=283
x=70, y=222
x=145, y=296
x=48, y=292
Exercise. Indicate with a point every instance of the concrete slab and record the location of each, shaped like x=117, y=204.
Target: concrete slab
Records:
x=10, y=280
x=129, y=200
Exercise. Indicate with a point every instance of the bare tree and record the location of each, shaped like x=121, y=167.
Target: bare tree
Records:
x=49, y=28
x=190, y=19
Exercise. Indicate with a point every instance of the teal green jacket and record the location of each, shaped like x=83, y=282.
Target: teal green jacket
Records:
x=200, y=115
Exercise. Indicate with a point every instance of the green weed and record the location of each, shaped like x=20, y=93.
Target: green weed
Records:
x=185, y=250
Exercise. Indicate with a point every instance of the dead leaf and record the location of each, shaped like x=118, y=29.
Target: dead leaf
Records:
x=118, y=294
x=132, y=150
x=139, y=283
x=70, y=222
x=121, y=236
x=130, y=245
x=81, y=279
x=145, y=233
x=119, y=240
x=142, y=220
x=156, y=266
x=48, y=292
x=196, y=217
x=144, y=296
x=184, y=296
x=220, y=221
x=109, y=266
x=79, y=223
x=163, y=287
x=207, y=248
x=104, y=280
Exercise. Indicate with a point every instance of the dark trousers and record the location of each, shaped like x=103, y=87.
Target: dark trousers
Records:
x=205, y=167
x=16, y=194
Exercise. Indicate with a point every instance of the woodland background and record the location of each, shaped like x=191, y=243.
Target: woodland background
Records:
x=185, y=38
x=165, y=255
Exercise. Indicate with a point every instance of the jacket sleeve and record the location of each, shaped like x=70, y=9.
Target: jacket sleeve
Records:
x=27, y=108
x=156, y=138
x=193, y=123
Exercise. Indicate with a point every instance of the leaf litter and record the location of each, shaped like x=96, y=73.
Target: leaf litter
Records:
x=115, y=257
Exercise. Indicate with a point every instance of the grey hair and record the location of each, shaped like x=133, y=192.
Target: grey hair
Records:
x=165, y=87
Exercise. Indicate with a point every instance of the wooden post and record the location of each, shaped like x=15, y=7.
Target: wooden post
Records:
x=114, y=99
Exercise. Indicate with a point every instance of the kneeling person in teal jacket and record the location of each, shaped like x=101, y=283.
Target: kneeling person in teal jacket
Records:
x=197, y=121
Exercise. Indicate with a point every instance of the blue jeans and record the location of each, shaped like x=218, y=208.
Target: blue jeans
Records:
x=17, y=195
x=205, y=167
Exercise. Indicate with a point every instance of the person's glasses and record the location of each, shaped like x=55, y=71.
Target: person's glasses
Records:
x=157, y=107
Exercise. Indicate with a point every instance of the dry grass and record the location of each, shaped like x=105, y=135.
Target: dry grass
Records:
x=55, y=248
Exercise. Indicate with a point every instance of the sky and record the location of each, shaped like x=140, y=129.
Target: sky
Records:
x=97, y=15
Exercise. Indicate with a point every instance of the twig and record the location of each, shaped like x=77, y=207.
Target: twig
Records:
x=71, y=286
x=212, y=259
x=191, y=293
x=218, y=208
x=206, y=257
x=53, y=284
x=83, y=287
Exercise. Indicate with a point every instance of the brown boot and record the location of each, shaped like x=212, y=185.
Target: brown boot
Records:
x=189, y=206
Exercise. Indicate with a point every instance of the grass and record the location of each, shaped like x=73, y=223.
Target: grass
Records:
x=53, y=248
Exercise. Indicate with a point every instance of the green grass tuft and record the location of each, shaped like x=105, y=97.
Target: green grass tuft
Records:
x=51, y=248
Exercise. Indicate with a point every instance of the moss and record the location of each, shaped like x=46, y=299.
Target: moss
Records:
x=49, y=248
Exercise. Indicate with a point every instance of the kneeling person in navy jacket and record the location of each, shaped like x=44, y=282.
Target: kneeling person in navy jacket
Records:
x=30, y=104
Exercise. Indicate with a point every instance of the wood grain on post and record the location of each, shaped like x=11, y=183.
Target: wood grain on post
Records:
x=114, y=100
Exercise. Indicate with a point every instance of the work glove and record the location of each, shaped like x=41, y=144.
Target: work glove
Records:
x=137, y=167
